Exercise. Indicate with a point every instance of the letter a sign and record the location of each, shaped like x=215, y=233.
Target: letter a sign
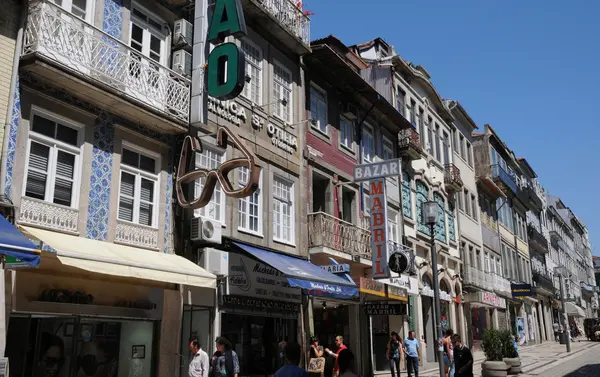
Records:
x=379, y=244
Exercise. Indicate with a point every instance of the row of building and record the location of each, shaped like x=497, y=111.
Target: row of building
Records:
x=98, y=96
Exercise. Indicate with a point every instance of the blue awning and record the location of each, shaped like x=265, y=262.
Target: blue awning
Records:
x=13, y=243
x=303, y=274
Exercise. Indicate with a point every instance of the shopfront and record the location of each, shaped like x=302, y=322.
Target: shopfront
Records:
x=483, y=306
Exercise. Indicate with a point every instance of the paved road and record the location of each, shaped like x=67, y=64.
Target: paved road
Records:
x=550, y=360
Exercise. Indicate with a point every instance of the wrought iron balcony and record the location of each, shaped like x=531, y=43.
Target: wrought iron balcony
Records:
x=69, y=53
x=502, y=176
x=48, y=215
x=452, y=179
x=136, y=235
x=543, y=280
x=588, y=289
x=327, y=231
x=533, y=197
x=537, y=239
x=478, y=278
x=409, y=144
x=281, y=18
x=501, y=285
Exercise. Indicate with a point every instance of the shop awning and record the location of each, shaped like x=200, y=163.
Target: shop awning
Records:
x=14, y=244
x=303, y=274
x=574, y=310
x=119, y=260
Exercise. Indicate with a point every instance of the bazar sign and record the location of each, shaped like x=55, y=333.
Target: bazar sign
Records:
x=377, y=170
x=492, y=299
x=384, y=309
x=379, y=244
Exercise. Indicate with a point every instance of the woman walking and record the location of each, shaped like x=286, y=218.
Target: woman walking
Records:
x=393, y=352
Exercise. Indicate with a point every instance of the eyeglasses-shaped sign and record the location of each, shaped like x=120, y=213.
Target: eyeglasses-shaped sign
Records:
x=192, y=144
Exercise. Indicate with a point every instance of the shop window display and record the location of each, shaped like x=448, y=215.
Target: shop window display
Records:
x=65, y=347
x=381, y=338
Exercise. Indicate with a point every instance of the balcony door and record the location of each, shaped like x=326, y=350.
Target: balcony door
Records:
x=148, y=56
x=70, y=24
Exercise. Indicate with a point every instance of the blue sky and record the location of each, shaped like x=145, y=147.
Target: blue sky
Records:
x=528, y=68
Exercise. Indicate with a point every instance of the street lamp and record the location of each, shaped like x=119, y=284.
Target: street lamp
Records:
x=561, y=271
x=430, y=217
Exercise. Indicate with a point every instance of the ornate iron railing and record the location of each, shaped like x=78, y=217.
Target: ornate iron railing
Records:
x=325, y=230
x=136, y=235
x=290, y=16
x=506, y=178
x=81, y=47
x=452, y=176
x=409, y=142
x=48, y=215
x=501, y=284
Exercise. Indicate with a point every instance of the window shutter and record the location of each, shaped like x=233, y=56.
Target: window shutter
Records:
x=36, y=181
x=146, y=200
x=63, y=186
x=126, y=200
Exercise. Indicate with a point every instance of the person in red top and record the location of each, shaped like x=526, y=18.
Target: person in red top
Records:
x=339, y=342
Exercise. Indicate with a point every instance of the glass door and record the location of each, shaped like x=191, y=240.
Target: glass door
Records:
x=196, y=323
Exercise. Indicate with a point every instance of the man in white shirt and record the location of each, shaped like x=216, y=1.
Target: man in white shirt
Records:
x=199, y=365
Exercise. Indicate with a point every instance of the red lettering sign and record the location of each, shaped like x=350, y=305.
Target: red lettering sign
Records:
x=379, y=245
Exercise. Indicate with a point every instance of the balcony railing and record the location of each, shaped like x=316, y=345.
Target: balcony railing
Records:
x=452, y=178
x=409, y=144
x=507, y=179
x=533, y=197
x=290, y=16
x=71, y=42
x=136, y=235
x=478, y=278
x=501, y=285
x=543, y=280
x=48, y=215
x=328, y=231
x=537, y=238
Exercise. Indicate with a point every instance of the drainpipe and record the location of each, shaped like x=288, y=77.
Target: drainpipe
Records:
x=11, y=98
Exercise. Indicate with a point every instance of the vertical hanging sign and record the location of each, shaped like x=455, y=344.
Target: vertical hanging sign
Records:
x=226, y=62
x=379, y=244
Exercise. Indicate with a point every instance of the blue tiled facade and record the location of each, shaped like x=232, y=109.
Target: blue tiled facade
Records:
x=12, y=139
x=421, y=196
x=169, y=206
x=406, y=199
x=440, y=226
x=451, y=227
x=113, y=18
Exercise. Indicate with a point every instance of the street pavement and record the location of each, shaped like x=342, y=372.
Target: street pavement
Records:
x=549, y=359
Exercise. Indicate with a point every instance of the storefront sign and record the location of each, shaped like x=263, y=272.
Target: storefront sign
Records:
x=492, y=299
x=228, y=110
x=192, y=145
x=428, y=292
x=251, y=278
x=521, y=290
x=396, y=293
x=377, y=170
x=445, y=296
x=410, y=284
x=372, y=308
x=235, y=301
x=226, y=62
x=379, y=244
x=337, y=268
x=282, y=139
x=372, y=287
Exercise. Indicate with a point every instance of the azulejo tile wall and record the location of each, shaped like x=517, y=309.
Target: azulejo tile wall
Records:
x=113, y=18
x=12, y=139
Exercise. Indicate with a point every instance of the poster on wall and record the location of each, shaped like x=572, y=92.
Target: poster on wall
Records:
x=521, y=329
x=531, y=327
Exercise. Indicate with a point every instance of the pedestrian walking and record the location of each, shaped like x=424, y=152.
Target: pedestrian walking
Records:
x=463, y=358
x=225, y=360
x=199, y=365
x=412, y=350
x=280, y=347
x=315, y=350
x=447, y=346
x=345, y=362
x=291, y=353
x=339, y=343
x=515, y=345
x=393, y=352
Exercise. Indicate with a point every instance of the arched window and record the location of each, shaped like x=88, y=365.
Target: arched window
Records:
x=451, y=228
x=440, y=226
x=422, y=195
x=406, y=199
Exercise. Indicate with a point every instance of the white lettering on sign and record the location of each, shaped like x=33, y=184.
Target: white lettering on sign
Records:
x=376, y=170
x=337, y=268
x=493, y=300
x=282, y=139
x=379, y=244
x=228, y=110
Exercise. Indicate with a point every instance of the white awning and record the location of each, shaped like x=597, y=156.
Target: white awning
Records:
x=574, y=310
x=119, y=260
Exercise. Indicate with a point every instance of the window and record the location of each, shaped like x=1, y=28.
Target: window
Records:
x=53, y=162
x=462, y=146
x=474, y=207
x=440, y=226
x=137, y=189
x=250, y=208
x=460, y=199
x=422, y=129
x=438, y=152
x=451, y=228
x=392, y=225
x=147, y=37
x=411, y=116
x=79, y=8
x=406, y=195
x=210, y=159
x=400, y=101
x=368, y=141
x=446, y=148
x=487, y=262
x=468, y=205
x=318, y=109
x=282, y=92
x=430, y=141
x=253, y=89
x=388, y=149
x=422, y=195
x=346, y=133
x=469, y=155
x=283, y=210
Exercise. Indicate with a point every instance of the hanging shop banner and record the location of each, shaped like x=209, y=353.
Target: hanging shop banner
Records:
x=408, y=283
x=521, y=290
x=371, y=287
x=379, y=244
x=337, y=268
x=381, y=308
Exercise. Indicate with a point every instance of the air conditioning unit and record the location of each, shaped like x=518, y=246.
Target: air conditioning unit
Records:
x=182, y=63
x=4, y=367
x=349, y=111
x=205, y=230
x=215, y=261
x=183, y=33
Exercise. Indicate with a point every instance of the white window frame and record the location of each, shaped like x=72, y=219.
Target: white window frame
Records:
x=260, y=219
x=292, y=241
x=319, y=127
x=58, y=145
x=388, y=147
x=346, y=123
x=147, y=31
x=67, y=5
x=289, y=87
x=393, y=225
x=139, y=174
x=247, y=92
x=367, y=128
x=201, y=212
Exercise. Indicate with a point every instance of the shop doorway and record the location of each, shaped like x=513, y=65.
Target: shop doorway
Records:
x=428, y=324
x=52, y=346
x=196, y=323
